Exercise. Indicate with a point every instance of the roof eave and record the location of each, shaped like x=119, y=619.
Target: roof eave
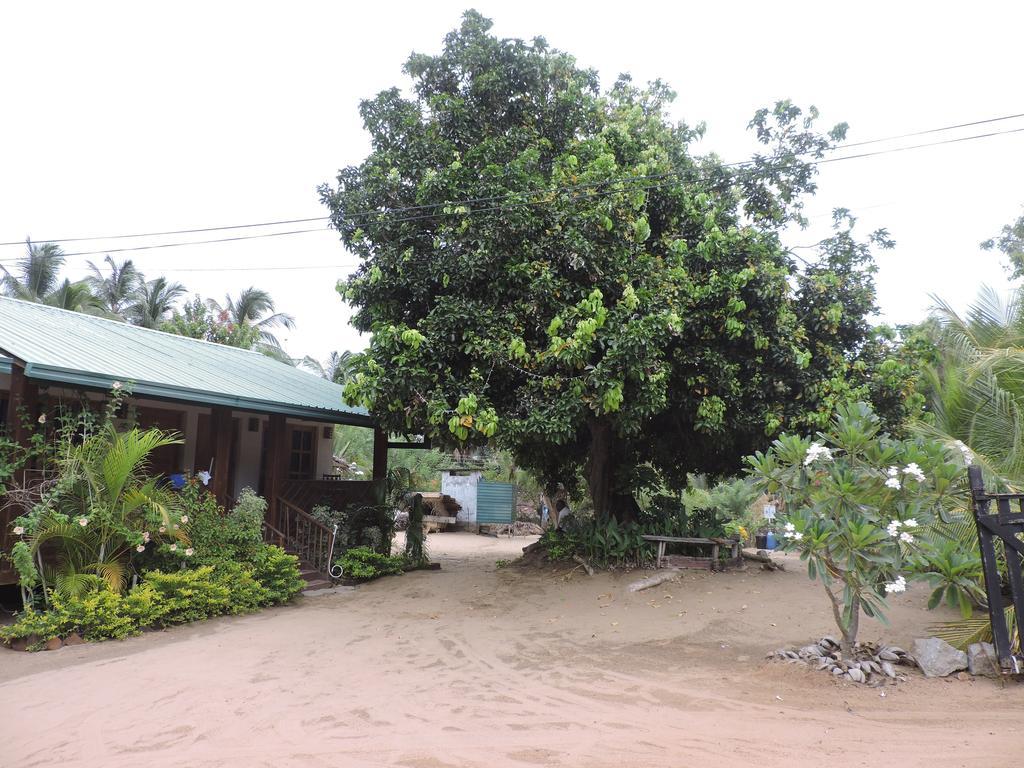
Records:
x=196, y=396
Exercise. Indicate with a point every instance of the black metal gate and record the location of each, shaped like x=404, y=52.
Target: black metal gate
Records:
x=1006, y=524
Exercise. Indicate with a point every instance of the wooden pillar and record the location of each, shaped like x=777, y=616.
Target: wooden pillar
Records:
x=222, y=426
x=274, y=463
x=380, y=454
x=21, y=406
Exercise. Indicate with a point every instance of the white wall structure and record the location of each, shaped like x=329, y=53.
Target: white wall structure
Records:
x=324, y=451
x=247, y=463
x=461, y=486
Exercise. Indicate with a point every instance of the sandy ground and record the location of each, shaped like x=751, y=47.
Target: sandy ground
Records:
x=477, y=665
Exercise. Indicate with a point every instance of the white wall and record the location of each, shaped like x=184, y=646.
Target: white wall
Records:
x=462, y=488
x=324, y=451
x=250, y=444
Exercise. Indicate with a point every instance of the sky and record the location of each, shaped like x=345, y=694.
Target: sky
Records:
x=124, y=118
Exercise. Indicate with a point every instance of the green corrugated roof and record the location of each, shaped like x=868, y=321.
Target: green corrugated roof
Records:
x=82, y=350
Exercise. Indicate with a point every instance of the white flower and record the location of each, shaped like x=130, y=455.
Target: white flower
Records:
x=18, y=530
x=174, y=547
x=184, y=518
x=42, y=418
x=188, y=552
x=797, y=536
x=894, y=471
x=893, y=528
x=815, y=452
x=893, y=482
x=116, y=385
x=914, y=471
x=790, y=527
x=204, y=476
x=906, y=538
x=910, y=523
x=140, y=548
x=83, y=521
x=163, y=529
x=899, y=585
x=967, y=453
x=145, y=536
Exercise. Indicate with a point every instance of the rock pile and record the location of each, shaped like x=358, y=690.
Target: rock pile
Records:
x=872, y=664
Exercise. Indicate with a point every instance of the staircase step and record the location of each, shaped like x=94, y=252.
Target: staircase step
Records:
x=317, y=584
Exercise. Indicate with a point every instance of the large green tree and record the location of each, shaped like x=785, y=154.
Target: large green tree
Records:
x=558, y=270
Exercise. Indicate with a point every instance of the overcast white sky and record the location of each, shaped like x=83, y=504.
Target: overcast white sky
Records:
x=138, y=117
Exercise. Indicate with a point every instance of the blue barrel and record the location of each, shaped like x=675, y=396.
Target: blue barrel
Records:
x=772, y=542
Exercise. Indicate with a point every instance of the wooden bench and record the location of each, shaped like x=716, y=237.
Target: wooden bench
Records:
x=715, y=545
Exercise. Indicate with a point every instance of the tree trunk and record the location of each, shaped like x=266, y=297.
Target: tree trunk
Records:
x=608, y=502
x=599, y=468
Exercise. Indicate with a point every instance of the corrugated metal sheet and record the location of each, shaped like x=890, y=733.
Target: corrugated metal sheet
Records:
x=495, y=503
x=81, y=350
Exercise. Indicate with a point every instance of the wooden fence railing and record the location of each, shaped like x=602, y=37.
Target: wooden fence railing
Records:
x=310, y=539
x=1004, y=524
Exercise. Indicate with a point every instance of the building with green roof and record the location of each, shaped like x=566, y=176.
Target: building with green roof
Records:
x=245, y=419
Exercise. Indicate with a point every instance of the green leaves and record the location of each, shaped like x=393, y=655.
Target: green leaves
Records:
x=862, y=508
x=641, y=229
x=670, y=312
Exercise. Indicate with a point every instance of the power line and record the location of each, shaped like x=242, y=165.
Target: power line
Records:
x=383, y=216
x=931, y=130
x=173, y=231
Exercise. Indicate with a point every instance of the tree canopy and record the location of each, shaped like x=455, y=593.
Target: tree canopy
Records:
x=556, y=269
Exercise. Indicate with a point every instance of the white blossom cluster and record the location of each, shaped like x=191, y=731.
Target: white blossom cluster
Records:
x=911, y=470
x=966, y=452
x=815, y=452
x=893, y=529
x=899, y=585
x=790, y=531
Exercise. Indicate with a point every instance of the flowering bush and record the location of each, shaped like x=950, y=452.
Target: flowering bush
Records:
x=867, y=512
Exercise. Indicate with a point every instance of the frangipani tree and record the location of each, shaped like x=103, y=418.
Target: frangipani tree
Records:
x=867, y=512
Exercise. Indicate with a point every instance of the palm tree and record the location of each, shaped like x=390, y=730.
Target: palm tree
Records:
x=106, y=498
x=75, y=297
x=337, y=368
x=255, y=307
x=37, y=274
x=118, y=288
x=153, y=302
x=975, y=392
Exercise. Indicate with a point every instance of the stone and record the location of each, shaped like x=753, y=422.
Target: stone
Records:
x=982, y=660
x=19, y=644
x=937, y=658
x=73, y=639
x=53, y=644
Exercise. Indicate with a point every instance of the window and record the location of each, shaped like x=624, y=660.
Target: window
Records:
x=300, y=463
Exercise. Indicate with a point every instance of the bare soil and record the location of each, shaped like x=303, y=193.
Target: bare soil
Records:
x=477, y=665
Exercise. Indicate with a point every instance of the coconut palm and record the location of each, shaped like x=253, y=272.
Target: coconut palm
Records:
x=76, y=297
x=975, y=392
x=37, y=273
x=117, y=289
x=255, y=307
x=337, y=368
x=153, y=302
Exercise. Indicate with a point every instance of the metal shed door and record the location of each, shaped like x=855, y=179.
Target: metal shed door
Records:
x=495, y=503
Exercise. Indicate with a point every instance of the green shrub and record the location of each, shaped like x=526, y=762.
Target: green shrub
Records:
x=42, y=625
x=216, y=535
x=95, y=616
x=278, y=573
x=163, y=599
x=363, y=564
x=190, y=595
